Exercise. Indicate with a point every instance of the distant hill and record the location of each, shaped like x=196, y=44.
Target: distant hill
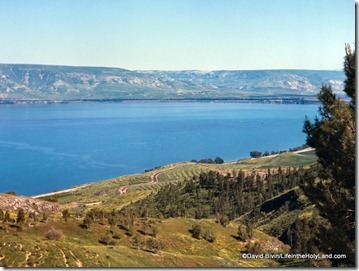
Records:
x=40, y=82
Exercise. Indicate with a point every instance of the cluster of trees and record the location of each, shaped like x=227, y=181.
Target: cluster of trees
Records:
x=217, y=160
x=215, y=195
x=257, y=154
x=142, y=230
x=332, y=187
x=22, y=219
x=198, y=233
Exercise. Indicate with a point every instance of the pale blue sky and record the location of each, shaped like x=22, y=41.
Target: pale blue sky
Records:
x=178, y=34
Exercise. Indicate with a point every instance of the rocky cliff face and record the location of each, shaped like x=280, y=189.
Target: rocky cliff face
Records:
x=13, y=203
x=63, y=82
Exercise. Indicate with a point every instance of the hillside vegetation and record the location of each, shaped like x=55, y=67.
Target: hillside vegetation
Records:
x=105, y=223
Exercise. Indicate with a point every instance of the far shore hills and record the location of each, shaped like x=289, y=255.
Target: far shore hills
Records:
x=25, y=83
x=296, y=100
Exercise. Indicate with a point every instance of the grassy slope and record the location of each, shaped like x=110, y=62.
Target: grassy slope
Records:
x=80, y=247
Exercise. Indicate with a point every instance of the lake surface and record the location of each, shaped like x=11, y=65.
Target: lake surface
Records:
x=49, y=147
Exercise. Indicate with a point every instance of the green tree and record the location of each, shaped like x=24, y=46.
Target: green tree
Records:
x=11, y=193
x=154, y=245
x=224, y=221
x=154, y=231
x=105, y=239
x=196, y=231
x=87, y=222
x=242, y=232
x=255, y=154
x=45, y=217
x=249, y=228
x=7, y=216
x=218, y=160
x=209, y=236
x=333, y=137
x=1, y=215
x=32, y=216
x=65, y=214
x=20, y=216
x=137, y=241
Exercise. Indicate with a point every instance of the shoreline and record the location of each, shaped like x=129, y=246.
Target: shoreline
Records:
x=59, y=191
x=152, y=177
x=266, y=100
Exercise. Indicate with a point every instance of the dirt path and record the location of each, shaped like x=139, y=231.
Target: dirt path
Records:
x=154, y=177
x=93, y=203
x=27, y=255
x=305, y=150
x=77, y=260
x=123, y=189
x=63, y=256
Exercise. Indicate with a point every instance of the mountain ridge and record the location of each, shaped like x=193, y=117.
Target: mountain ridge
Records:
x=41, y=82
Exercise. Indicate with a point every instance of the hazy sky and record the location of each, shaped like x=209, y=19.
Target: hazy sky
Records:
x=178, y=34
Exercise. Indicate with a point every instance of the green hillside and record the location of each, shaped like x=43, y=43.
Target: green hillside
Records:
x=106, y=226
x=81, y=247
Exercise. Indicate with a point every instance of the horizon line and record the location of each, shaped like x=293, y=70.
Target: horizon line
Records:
x=170, y=70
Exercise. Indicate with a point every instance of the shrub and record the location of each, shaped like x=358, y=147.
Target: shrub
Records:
x=224, y=221
x=253, y=247
x=86, y=222
x=209, y=236
x=52, y=199
x=54, y=234
x=196, y=231
x=116, y=235
x=242, y=232
x=65, y=214
x=137, y=241
x=11, y=193
x=45, y=217
x=105, y=239
x=154, y=231
x=154, y=244
x=20, y=216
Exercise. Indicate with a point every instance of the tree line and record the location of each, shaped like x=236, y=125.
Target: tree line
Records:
x=257, y=154
x=212, y=194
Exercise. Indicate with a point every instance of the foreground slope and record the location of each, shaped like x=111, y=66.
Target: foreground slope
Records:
x=116, y=239
x=80, y=247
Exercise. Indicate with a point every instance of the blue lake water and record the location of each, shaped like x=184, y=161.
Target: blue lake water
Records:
x=49, y=147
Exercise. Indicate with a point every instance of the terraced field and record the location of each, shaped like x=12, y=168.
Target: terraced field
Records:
x=119, y=192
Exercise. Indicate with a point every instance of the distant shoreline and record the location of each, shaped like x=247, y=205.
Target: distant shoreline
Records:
x=60, y=191
x=306, y=100
x=153, y=178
